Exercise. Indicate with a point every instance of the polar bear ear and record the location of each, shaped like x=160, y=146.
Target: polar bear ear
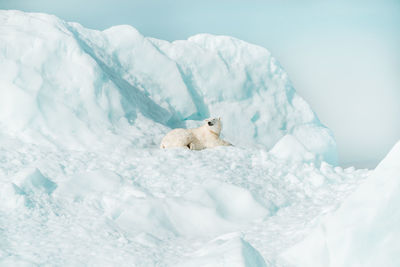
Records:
x=219, y=118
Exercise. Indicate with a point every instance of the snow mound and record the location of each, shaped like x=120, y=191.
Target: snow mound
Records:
x=364, y=231
x=289, y=148
x=64, y=85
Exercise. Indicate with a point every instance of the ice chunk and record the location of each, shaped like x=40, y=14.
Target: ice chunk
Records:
x=32, y=180
x=28, y=185
x=364, y=231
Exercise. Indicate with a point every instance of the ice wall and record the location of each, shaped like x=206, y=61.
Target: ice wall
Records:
x=364, y=231
x=64, y=85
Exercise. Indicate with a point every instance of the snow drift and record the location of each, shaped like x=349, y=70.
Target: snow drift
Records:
x=66, y=85
x=364, y=231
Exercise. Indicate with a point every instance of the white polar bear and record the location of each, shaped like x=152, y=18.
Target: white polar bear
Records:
x=206, y=136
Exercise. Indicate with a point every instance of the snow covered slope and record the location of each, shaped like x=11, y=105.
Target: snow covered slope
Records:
x=66, y=85
x=228, y=206
x=365, y=230
x=83, y=182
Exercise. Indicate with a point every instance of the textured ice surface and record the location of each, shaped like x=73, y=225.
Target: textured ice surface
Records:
x=365, y=230
x=83, y=183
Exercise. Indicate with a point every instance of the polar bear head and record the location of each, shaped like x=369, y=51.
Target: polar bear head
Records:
x=214, y=125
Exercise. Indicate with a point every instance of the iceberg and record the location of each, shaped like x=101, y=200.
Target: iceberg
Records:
x=69, y=86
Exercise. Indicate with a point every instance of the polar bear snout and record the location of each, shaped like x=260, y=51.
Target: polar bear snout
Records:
x=210, y=123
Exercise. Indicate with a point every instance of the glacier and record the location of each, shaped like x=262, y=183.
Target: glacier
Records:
x=83, y=182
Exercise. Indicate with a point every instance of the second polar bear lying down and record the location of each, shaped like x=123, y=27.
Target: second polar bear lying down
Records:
x=206, y=136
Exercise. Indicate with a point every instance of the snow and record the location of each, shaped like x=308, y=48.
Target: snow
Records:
x=149, y=207
x=364, y=231
x=83, y=182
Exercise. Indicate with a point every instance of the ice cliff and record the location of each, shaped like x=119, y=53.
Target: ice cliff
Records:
x=66, y=85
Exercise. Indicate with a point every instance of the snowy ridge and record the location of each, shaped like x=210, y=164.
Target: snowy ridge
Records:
x=83, y=182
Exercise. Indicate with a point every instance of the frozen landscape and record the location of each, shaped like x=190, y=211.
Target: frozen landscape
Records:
x=84, y=183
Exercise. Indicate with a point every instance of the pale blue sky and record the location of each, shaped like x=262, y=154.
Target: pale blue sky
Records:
x=342, y=56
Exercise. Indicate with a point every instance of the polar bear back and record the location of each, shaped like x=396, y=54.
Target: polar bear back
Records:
x=177, y=138
x=204, y=137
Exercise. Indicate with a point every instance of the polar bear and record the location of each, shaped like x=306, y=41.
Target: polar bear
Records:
x=206, y=136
